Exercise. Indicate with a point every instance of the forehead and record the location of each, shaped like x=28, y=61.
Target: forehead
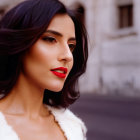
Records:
x=62, y=23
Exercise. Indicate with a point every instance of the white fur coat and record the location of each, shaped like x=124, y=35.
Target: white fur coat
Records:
x=72, y=126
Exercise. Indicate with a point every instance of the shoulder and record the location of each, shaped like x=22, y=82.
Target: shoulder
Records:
x=73, y=127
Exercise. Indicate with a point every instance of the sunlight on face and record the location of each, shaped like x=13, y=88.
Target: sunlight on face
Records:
x=49, y=61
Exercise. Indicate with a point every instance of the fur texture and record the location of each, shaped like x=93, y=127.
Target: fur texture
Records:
x=6, y=131
x=71, y=125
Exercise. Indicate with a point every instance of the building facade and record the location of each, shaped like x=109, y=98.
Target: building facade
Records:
x=114, y=45
x=114, y=40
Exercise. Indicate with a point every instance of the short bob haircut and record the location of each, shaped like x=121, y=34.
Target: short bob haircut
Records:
x=20, y=28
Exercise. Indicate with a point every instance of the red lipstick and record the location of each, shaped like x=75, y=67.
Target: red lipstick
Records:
x=60, y=72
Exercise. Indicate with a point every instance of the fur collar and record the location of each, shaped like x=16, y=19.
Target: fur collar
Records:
x=71, y=125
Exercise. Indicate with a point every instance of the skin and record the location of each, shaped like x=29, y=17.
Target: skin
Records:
x=23, y=107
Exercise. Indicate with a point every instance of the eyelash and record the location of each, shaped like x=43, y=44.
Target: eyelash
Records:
x=72, y=47
x=53, y=40
x=49, y=39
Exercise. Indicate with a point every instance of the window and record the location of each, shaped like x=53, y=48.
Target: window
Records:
x=125, y=16
x=1, y=12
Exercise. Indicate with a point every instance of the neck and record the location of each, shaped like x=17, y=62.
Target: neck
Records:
x=25, y=99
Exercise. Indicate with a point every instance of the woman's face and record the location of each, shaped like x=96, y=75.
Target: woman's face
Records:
x=49, y=61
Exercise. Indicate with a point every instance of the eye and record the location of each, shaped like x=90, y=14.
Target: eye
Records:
x=49, y=39
x=72, y=47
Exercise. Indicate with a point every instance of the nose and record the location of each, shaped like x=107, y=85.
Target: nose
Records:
x=65, y=54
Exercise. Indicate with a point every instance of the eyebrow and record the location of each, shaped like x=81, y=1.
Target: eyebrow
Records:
x=59, y=34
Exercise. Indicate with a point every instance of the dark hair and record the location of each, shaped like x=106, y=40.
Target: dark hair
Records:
x=20, y=28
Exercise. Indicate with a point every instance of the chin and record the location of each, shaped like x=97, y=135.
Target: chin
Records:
x=55, y=88
x=58, y=90
x=53, y=85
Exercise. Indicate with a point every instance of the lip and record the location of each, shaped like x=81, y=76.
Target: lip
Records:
x=58, y=74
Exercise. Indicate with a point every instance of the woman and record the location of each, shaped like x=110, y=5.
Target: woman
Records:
x=43, y=50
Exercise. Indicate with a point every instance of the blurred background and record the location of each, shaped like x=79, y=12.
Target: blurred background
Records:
x=110, y=88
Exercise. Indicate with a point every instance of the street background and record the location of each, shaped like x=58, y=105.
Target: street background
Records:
x=109, y=117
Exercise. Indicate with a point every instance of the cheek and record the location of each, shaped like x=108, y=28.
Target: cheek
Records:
x=39, y=55
x=36, y=61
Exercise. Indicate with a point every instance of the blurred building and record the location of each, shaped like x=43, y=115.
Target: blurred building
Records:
x=114, y=40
